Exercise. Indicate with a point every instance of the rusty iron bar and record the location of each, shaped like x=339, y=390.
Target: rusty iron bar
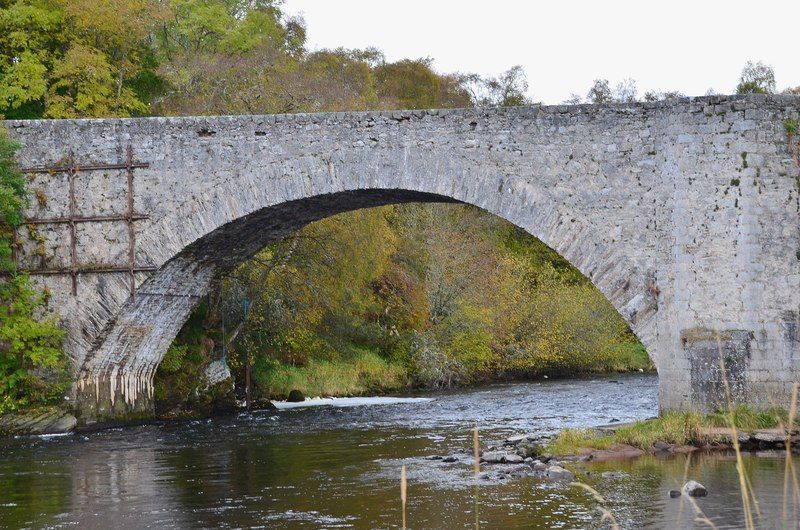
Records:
x=173, y=295
x=83, y=270
x=90, y=167
x=71, y=169
x=73, y=236
x=90, y=219
x=131, y=231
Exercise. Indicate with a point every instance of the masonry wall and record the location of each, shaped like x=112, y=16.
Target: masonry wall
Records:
x=683, y=213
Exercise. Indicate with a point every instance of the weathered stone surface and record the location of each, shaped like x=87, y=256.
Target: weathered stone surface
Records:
x=49, y=421
x=512, y=459
x=217, y=372
x=688, y=221
x=769, y=435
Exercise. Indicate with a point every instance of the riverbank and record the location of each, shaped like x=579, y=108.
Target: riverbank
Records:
x=363, y=372
x=675, y=432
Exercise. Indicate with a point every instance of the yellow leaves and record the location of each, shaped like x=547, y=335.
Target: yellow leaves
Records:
x=436, y=287
x=114, y=23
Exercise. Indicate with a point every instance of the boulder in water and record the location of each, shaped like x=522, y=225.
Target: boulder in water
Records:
x=559, y=473
x=493, y=457
x=694, y=489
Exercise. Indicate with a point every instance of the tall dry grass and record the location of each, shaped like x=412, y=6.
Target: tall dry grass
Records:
x=403, y=493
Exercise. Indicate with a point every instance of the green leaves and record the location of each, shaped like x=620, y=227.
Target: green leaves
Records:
x=32, y=366
x=13, y=199
x=33, y=369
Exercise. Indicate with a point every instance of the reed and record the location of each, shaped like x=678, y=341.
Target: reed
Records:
x=476, y=467
x=605, y=513
x=789, y=471
x=744, y=483
x=403, y=493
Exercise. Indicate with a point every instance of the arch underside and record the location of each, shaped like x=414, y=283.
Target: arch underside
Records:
x=117, y=376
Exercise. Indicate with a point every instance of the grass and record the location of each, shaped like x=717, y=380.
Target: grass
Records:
x=364, y=373
x=672, y=427
x=629, y=357
x=569, y=441
x=747, y=419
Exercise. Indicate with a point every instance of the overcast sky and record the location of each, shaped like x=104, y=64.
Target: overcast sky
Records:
x=564, y=45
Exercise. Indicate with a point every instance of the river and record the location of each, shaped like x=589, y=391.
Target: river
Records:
x=338, y=466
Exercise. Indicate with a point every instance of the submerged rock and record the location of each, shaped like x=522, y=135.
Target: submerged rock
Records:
x=694, y=489
x=674, y=494
x=295, y=396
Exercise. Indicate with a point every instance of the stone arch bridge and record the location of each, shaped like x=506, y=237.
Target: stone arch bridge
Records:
x=685, y=214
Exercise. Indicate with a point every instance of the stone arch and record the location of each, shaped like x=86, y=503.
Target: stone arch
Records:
x=116, y=378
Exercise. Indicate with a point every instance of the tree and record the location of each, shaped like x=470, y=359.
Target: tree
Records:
x=408, y=84
x=652, y=95
x=600, y=92
x=625, y=91
x=31, y=35
x=756, y=78
x=83, y=85
x=508, y=89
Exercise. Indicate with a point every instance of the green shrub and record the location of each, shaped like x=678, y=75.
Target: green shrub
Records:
x=791, y=126
x=33, y=370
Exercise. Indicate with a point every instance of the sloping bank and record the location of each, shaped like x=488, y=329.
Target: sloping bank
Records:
x=742, y=429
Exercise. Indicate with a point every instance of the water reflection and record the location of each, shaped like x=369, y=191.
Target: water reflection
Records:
x=339, y=468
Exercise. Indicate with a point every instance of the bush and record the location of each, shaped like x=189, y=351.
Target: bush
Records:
x=33, y=370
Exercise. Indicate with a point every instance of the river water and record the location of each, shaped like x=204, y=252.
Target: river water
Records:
x=338, y=466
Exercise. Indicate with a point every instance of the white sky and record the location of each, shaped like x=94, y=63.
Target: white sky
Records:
x=564, y=45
